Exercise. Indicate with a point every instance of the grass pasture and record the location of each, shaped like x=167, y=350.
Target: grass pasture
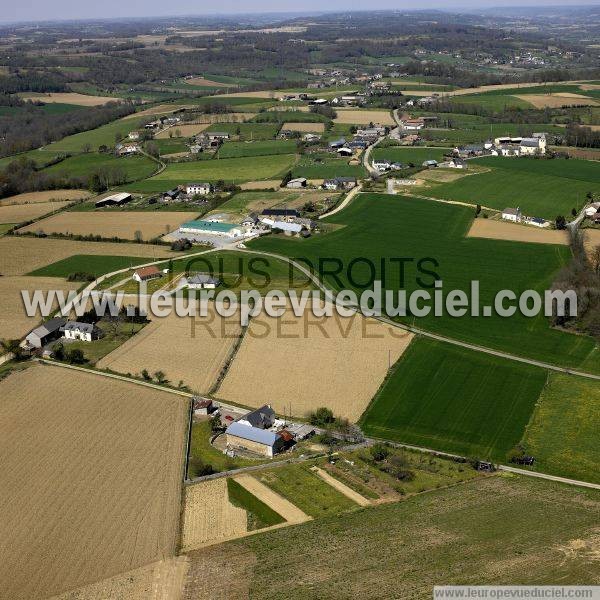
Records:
x=117, y=224
x=256, y=148
x=85, y=263
x=455, y=400
x=99, y=472
x=326, y=166
x=135, y=167
x=563, y=431
x=542, y=188
x=380, y=227
x=409, y=154
x=404, y=546
x=247, y=131
x=233, y=170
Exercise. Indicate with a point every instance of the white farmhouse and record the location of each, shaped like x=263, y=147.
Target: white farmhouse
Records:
x=74, y=330
x=512, y=214
x=198, y=189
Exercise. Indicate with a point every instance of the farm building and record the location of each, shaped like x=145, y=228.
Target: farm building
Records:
x=282, y=213
x=74, y=330
x=217, y=135
x=345, y=151
x=114, y=200
x=345, y=183
x=430, y=164
x=534, y=145
x=127, y=148
x=45, y=333
x=413, y=124
x=147, y=273
x=253, y=439
x=299, y=182
x=512, y=214
x=382, y=165
x=198, y=189
x=202, y=281
x=592, y=209
x=199, y=227
x=287, y=228
x=134, y=135
x=337, y=144
x=202, y=406
x=262, y=417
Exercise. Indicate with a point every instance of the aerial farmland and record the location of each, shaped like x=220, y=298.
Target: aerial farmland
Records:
x=299, y=305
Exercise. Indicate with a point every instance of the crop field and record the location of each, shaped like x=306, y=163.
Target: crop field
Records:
x=134, y=167
x=85, y=263
x=93, y=486
x=247, y=131
x=496, y=102
x=14, y=322
x=231, y=170
x=364, y=117
x=519, y=183
x=69, y=98
x=482, y=524
x=188, y=350
x=209, y=517
x=376, y=227
x=43, y=197
x=409, y=154
x=123, y=225
x=257, y=148
x=326, y=166
x=563, y=431
x=557, y=100
x=21, y=255
x=456, y=400
x=19, y=213
x=501, y=230
x=305, y=127
x=309, y=350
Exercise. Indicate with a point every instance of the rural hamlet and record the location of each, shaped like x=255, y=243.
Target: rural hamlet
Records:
x=300, y=301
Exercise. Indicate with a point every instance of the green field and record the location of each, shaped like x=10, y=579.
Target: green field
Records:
x=492, y=100
x=231, y=170
x=171, y=145
x=89, y=263
x=409, y=154
x=563, y=432
x=259, y=514
x=247, y=131
x=257, y=148
x=81, y=165
x=542, y=188
x=326, y=166
x=385, y=227
x=306, y=490
x=498, y=530
x=104, y=135
x=456, y=400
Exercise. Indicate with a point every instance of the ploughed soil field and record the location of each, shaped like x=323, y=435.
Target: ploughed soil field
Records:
x=122, y=224
x=91, y=479
x=499, y=230
x=299, y=364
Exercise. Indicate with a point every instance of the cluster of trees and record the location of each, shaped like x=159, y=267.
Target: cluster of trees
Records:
x=396, y=464
x=581, y=136
x=25, y=175
x=582, y=275
x=33, y=128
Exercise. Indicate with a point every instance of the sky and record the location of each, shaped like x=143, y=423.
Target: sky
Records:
x=39, y=10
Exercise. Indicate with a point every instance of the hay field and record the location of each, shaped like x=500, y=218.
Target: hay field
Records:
x=91, y=479
x=363, y=117
x=121, y=224
x=193, y=353
x=206, y=82
x=19, y=213
x=556, y=100
x=592, y=238
x=162, y=580
x=500, y=230
x=70, y=98
x=302, y=363
x=305, y=127
x=160, y=109
x=209, y=517
x=14, y=322
x=46, y=196
x=261, y=185
x=21, y=255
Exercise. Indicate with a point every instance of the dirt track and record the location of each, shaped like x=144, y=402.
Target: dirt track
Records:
x=341, y=487
x=292, y=514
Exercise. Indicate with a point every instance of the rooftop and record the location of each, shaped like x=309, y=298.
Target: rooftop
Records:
x=209, y=226
x=252, y=434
